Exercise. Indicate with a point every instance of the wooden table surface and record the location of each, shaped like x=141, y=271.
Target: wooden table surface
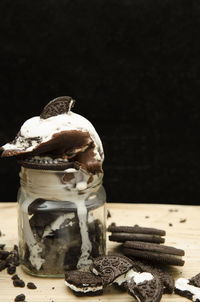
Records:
x=184, y=235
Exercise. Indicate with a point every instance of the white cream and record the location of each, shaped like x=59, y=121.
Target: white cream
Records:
x=137, y=277
x=182, y=284
x=95, y=272
x=85, y=289
x=46, y=128
x=51, y=185
x=142, y=277
x=34, y=248
x=55, y=225
x=86, y=246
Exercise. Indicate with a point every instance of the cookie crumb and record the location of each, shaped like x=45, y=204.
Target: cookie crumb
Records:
x=18, y=283
x=108, y=214
x=20, y=298
x=183, y=220
x=11, y=269
x=3, y=254
x=15, y=277
x=170, y=224
x=146, y=217
x=3, y=265
x=31, y=285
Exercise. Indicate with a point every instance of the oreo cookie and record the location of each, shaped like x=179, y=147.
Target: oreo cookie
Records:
x=184, y=288
x=166, y=278
x=110, y=267
x=57, y=106
x=145, y=289
x=154, y=252
x=135, y=233
x=41, y=165
x=84, y=283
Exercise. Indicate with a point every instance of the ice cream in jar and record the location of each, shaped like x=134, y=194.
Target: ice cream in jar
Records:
x=61, y=199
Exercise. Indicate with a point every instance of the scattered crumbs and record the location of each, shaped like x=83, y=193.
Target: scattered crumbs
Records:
x=53, y=287
x=170, y=224
x=173, y=210
x=183, y=220
x=146, y=217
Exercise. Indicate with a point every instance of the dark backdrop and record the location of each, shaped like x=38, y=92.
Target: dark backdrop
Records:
x=132, y=66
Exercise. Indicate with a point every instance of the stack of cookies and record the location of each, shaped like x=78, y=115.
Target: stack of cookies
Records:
x=145, y=243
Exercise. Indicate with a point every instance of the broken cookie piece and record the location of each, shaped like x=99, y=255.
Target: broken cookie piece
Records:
x=185, y=289
x=110, y=267
x=145, y=288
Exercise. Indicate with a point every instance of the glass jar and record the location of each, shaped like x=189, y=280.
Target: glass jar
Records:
x=60, y=228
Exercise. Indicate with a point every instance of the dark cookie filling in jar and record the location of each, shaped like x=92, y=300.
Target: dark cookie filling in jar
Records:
x=60, y=229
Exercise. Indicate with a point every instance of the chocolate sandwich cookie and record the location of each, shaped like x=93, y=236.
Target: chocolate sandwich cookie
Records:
x=166, y=278
x=84, y=283
x=185, y=289
x=145, y=288
x=154, y=252
x=110, y=267
x=135, y=233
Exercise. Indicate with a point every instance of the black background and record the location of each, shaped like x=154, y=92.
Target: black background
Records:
x=132, y=66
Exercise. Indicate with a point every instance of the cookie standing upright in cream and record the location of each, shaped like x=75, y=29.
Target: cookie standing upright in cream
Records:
x=61, y=199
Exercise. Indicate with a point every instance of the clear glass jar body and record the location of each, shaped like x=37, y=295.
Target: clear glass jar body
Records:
x=59, y=228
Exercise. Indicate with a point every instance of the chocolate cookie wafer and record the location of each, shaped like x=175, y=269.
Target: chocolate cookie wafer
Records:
x=135, y=233
x=154, y=252
x=84, y=283
x=57, y=106
x=110, y=267
x=145, y=289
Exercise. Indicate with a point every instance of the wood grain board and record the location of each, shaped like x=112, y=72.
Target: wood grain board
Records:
x=183, y=235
